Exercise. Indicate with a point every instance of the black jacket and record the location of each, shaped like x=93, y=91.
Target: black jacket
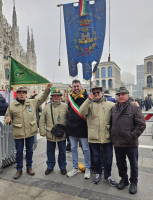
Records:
x=76, y=126
x=126, y=125
x=3, y=106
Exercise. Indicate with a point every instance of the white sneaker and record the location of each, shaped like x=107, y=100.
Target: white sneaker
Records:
x=87, y=173
x=73, y=172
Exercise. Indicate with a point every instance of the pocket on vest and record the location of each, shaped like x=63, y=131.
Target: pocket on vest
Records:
x=93, y=133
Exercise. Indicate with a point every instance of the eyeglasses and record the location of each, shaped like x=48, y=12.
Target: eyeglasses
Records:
x=98, y=92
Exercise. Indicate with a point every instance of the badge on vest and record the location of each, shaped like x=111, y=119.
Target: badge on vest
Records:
x=58, y=119
x=30, y=110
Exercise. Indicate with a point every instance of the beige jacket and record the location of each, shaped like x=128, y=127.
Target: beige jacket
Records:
x=60, y=109
x=98, y=119
x=23, y=117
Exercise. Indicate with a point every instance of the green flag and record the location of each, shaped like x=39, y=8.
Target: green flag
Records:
x=21, y=75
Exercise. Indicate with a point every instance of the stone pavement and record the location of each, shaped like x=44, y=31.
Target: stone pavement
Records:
x=56, y=186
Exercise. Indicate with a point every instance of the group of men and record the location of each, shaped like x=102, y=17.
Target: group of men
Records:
x=93, y=120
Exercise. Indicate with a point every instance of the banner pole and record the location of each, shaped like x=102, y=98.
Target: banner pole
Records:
x=8, y=107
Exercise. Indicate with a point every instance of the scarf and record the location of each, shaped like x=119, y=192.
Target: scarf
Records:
x=55, y=104
x=78, y=95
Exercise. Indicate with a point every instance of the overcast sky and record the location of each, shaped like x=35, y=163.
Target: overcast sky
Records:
x=131, y=34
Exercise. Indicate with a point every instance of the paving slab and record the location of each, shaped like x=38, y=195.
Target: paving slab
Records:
x=20, y=191
x=77, y=186
x=15, y=191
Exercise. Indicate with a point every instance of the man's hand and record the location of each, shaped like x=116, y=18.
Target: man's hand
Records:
x=44, y=135
x=7, y=120
x=135, y=103
x=90, y=96
x=49, y=85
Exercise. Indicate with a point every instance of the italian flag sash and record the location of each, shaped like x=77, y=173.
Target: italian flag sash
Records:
x=83, y=9
x=75, y=107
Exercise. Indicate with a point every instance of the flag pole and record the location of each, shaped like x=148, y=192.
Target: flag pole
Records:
x=8, y=107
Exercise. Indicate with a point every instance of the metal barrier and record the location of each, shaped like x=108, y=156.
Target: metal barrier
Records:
x=7, y=145
x=149, y=124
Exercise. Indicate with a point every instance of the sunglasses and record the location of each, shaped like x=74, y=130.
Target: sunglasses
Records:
x=96, y=92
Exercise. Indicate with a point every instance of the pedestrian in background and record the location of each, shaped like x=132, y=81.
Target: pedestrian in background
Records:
x=3, y=105
x=108, y=97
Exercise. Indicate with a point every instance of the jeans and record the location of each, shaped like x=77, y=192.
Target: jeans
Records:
x=132, y=154
x=108, y=157
x=74, y=150
x=51, y=154
x=19, y=144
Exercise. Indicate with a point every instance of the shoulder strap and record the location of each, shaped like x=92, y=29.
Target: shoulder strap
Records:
x=52, y=113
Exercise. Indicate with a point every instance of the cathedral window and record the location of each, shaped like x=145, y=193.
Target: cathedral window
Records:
x=6, y=53
x=6, y=73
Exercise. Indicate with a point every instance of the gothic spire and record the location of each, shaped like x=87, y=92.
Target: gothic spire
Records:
x=28, y=41
x=1, y=5
x=14, y=16
x=32, y=42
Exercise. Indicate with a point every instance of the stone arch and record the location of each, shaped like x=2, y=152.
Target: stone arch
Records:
x=104, y=84
x=103, y=72
x=97, y=82
x=110, y=74
x=149, y=67
x=97, y=73
x=149, y=81
x=110, y=83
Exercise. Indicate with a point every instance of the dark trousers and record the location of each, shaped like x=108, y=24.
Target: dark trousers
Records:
x=19, y=144
x=132, y=154
x=108, y=156
x=51, y=154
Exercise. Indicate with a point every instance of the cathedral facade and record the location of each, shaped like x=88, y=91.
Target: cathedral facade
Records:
x=9, y=42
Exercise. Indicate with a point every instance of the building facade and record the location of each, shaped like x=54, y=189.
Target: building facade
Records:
x=148, y=77
x=140, y=80
x=109, y=77
x=128, y=78
x=9, y=42
x=132, y=88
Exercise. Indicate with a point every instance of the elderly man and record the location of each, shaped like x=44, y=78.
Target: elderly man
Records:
x=59, y=113
x=23, y=117
x=77, y=128
x=98, y=111
x=128, y=124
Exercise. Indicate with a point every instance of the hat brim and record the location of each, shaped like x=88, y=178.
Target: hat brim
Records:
x=21, y=91
x=60, y=94
x=97, y=88
x=122, y=92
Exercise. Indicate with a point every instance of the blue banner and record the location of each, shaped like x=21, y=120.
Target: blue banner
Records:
x=85, y=36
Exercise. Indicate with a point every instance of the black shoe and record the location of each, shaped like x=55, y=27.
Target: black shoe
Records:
x=133, y=188
x=68, y=146
x=122, y=184
x=48, y=171
x=63, y=171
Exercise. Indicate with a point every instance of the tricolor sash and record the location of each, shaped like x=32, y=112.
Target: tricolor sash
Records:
x=75, y=107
